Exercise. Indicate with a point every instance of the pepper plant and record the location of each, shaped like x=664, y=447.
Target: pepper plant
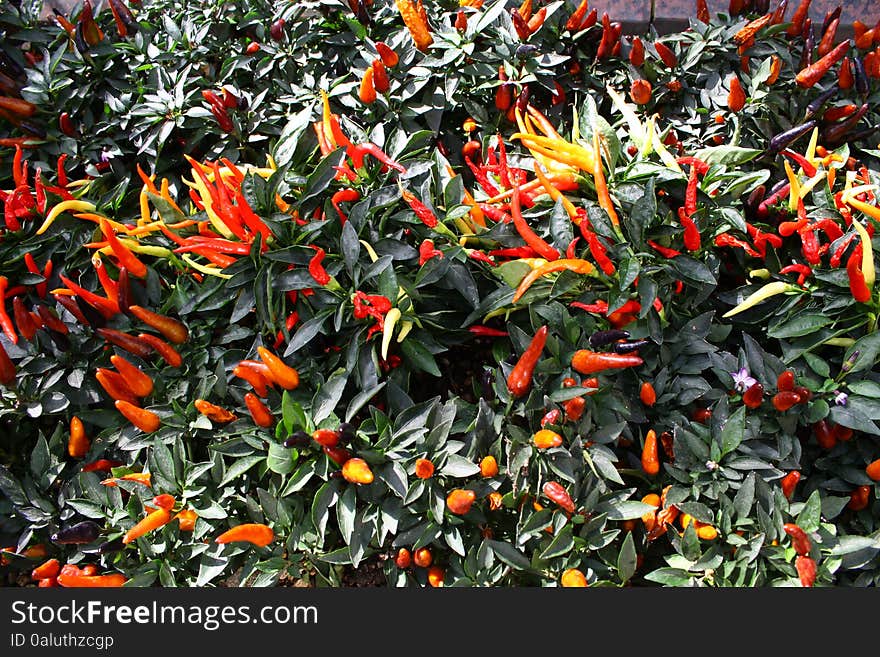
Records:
x=477, y=294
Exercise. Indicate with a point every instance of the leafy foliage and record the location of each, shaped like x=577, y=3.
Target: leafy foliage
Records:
x=432, y=383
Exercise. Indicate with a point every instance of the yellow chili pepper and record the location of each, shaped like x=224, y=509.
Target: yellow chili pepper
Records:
x=210, y=271
x=575, y=265
x=763, y=293
x=391, y=318
x=794, y=186
x=556, y=195
x=867, y=253
x=60, y=208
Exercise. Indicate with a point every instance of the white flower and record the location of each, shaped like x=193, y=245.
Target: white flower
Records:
x=840, y=399
x=742, y=381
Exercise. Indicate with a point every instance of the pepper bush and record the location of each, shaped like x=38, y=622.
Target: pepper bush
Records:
x=295, y=323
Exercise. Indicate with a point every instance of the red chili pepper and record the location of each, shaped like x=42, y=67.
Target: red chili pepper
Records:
x=810, y=245
x=344, y=196
x=51, y=320
x=487, y=331
x=101, y=465
x=691, y=232
x=808, y=167
x=316, y=270
x=130, y=343
x=529, y=236
x=427, y=251
x=358, y=151
x=789, y=482
x=599, y=307
x=799, y=539
x=123, y=254
x=479, y=256
x=606, y=43
x=105, y=306
x=801, y=270
x=690, y=195
x=519, y=381
x=666, y=252
x=591, y=362
x=494, y=213
x=597, y=250
x=23, y=320
x=637, y=52
x=811, y=74
x=423, y=212
x=71, y=306
x=557, y=494
x=666, y=54
x=782, y=401
x=857, y=286
x=726, y=239
x=514, y=252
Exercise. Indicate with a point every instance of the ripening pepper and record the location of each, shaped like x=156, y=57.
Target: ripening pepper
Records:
x=145, y=420
x=356, y=471
x=280, y=372
x=557, y=494
x=403, y=560
x=172, y=329
x=255, y=533
x=519, y=381
x=424, y=469
x=489, y=467
x=650, y=453
x=152, y=521
x=213, y=412
x=545, y=438
x=78, y=442
x=573, y=578
x=459, y=501
x=591, y=362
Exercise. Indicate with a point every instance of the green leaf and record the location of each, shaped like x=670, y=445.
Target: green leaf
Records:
x=810, y=516
x=732, y=433
x=799, y=325
x=345, y=513
x=458, y=466
x=561, y=544
x=319, y=180
x=509, y=555
x=328, y=395
x=727, y=155
x=417, y=354
x=868, y=348
x=627, y=559
x=357, y=402
x=745, y=497
x=280, y=459
x=850, y=417
x=240, y=467
x=628, y=510
x=293, y=415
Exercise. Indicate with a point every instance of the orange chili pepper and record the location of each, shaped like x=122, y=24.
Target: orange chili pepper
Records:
x=152, y=521
x=78, y=442
x=281, y=373
x=171, y=328
x=213, y=412
x=650, y=455
x=139, y=382
x=256, y=533
x=145, y=420
x=576, y=265
x=258, y=410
